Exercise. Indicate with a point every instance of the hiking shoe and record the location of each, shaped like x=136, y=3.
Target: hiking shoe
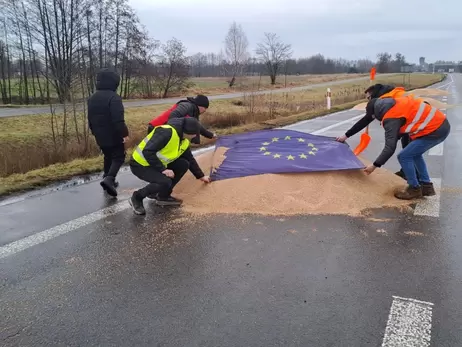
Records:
x=428, y=189
x=169, y=201
x=137, y=204
x=409, y=193
x=108, y=184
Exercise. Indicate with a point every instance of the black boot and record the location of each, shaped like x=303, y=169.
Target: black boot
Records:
x=137, y=204
x=168, y=201
x=108, y=184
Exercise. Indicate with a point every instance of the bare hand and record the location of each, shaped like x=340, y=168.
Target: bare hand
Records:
x=169, y=173
x=342, y=138
x=215, y=135
x=206, y=179
x=370, y=169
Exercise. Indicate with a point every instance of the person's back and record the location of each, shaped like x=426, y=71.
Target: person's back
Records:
x=107, y=124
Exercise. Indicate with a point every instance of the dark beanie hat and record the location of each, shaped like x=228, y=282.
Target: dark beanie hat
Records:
x=200, y=100
x=191, y=126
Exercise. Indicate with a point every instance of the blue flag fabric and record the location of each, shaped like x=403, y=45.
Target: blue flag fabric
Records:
x=282, y=151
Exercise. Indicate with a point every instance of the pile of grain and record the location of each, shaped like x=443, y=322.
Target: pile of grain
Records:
x=339, y=192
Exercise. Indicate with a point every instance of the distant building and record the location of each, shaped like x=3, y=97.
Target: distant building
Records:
x=422, y=61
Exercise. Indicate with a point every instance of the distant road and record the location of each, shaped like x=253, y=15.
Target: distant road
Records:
x=23, y=111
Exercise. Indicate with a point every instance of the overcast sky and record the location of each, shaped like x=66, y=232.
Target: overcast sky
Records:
x=336, y=28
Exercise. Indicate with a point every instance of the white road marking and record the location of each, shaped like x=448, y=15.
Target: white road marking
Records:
x=323, y=130
x=46, y=235
x=437, y=150
x=447, y=84
x=409, y=323
x=430, y=206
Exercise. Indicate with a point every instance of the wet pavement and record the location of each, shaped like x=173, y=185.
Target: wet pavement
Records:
x=22, y=111
x=79, y=269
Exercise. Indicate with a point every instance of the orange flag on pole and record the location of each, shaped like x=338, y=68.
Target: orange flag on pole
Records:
x=373, y=73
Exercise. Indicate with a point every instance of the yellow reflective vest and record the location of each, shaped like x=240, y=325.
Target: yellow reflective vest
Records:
x=172, y=151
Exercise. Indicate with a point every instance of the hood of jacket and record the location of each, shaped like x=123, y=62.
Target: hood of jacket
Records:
x=177, y=124
x=107, y=79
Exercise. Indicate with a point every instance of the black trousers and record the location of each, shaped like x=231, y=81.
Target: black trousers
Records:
x=114, y=158
x=158, y=182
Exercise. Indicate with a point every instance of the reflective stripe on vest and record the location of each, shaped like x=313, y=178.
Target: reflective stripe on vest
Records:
x=174, y=148
x=420, y=121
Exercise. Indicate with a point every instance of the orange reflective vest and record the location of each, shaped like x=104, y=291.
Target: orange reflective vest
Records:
x=395, y=93
x=421, y=118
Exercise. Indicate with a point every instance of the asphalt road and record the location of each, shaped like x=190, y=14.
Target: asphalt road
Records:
x=77, y=269
x=22, y=111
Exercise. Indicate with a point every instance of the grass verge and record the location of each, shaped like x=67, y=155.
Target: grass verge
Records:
x=30, y=159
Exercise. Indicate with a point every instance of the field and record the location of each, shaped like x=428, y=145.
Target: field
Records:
x=208, y=85
x=30, y=157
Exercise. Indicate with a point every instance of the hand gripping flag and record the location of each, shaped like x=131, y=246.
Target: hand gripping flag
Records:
x=282, y=151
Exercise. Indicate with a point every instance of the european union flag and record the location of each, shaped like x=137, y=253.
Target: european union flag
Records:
x=282, y=151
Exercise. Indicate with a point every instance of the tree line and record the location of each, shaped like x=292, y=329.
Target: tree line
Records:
x=51, y=51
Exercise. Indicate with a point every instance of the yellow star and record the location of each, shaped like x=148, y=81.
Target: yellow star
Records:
x=311, y=153
x=289, y=157
x=277, y=156
x=303, y=156
x=275, y=139
x=265, y=143
x=301, y=140
x=310, y=145
x=262, y=149
x=267, y=153
x=287, y=138
x=314, y=149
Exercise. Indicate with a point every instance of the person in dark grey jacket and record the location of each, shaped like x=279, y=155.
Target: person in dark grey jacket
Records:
x=411, y=157
x=107, y=123
x=373, y=92
x=191, y=107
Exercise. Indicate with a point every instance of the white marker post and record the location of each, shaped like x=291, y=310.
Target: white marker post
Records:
x=328, y=95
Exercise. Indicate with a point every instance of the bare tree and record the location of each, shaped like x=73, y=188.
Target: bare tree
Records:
x=273, y=52
x=174, y=69
x=236, y=48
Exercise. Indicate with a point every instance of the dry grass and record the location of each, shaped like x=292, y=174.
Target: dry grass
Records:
x=219, y=85
x=28, y=158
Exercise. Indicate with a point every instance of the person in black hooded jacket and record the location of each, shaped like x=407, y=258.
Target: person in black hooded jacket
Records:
x=107, y=123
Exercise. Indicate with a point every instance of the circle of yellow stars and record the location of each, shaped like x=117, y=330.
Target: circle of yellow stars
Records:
x=310, y=150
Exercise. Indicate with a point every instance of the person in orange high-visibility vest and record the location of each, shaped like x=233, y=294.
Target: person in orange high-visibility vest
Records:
x=427, y=127
x=378, y=91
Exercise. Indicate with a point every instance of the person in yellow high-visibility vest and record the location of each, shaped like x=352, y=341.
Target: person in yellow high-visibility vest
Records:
x=162, y=158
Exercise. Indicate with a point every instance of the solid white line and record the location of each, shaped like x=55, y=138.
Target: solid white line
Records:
x=46, y=235
x=437, y=150
x=323, y=130
x=409, y=323
x=430, y=206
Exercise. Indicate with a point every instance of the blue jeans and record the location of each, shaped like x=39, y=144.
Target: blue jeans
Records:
x=411, y=159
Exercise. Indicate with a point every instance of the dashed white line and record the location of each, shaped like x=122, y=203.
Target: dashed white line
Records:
x=409, y=323
x=430, y=206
